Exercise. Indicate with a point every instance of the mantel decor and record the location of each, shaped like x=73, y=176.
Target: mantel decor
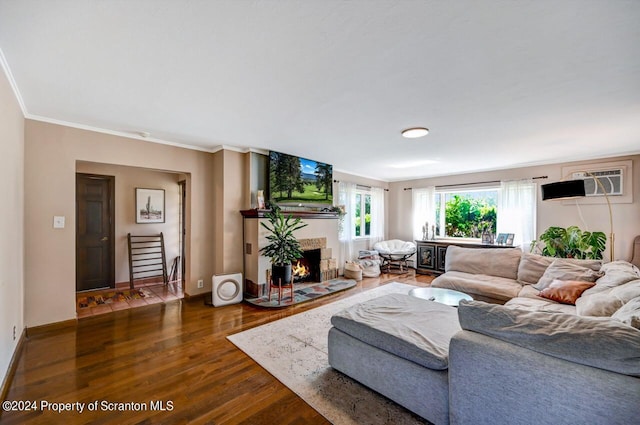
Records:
x=150, y=205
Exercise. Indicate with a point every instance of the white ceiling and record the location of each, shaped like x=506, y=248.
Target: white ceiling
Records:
x=500, y=84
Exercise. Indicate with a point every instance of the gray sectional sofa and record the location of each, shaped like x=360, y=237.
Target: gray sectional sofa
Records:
x=532, y=360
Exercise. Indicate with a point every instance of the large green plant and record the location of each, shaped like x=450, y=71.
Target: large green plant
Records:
x=283, y=247
x=572, y=243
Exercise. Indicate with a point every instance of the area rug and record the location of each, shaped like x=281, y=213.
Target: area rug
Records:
x=294, y=350
x=114, y=296
x=303, y=293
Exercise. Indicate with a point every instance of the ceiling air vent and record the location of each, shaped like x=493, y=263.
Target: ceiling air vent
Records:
x=612, y=181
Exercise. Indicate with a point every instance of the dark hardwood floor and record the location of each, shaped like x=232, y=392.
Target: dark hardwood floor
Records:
x=175, y=353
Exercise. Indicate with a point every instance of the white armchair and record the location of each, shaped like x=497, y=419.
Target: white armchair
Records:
x=394, y=254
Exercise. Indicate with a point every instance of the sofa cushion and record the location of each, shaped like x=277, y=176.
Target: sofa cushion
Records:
x=411, y=328
x=499, y=288
x=529, y=291
x=601, y=304
x=629, y=314
x=532, y=267
x=540, y=304
x=501, y=262
x=565, y=291
x=626, y=292
x=617, y=273
x=568, y=270
x=593, y=341
x=605, y=301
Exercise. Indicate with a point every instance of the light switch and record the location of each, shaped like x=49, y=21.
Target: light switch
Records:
x=58, y=222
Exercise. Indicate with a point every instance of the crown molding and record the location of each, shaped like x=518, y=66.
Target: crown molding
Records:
x=229, y=148
x=12, y=82
x=128, y=135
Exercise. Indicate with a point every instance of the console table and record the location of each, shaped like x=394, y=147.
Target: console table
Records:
x=431, y=255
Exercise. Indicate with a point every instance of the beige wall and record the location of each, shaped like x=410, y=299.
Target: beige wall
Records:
x=236, y=198
x=51, y=154
x=127, y=179
x=626, y=216
x=231, y=196
x=217, y=212
x=11, y=225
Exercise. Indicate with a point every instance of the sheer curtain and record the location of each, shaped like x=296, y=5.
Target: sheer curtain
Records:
x=517, y=211
x=424, y=210
x=347, y=197
x=377, y=215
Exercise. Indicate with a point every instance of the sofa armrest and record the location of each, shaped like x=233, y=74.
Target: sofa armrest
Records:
x=493, y=381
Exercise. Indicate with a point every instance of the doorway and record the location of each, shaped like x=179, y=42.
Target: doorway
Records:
x=183, y=229
x=95, y=232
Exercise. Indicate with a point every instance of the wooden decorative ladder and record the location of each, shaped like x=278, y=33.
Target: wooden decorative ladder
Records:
x=146, y=257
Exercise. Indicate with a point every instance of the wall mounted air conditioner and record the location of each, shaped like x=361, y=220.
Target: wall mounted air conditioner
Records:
x=612, y=181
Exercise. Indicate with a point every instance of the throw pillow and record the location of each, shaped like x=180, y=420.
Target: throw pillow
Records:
x=532, y=267
x=601, y=304
x=618, y=273
x=622, y=266
x=565, y=270
x=565, y=291
x=629, y=314
x=627, y=292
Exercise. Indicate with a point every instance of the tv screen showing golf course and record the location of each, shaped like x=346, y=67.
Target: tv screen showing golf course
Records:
x=295, y=181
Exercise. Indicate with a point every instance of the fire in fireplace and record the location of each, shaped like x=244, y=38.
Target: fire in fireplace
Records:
x=300, y=271
x=307, y=268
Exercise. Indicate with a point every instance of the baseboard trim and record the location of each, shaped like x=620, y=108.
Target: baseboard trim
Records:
x=36, y=330
x=13, y=364
x=196, y=296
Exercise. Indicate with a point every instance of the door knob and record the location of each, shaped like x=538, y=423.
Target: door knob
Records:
x=104, y=239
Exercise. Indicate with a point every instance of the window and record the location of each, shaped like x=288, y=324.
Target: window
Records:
x=362, y=222
x=466, y=213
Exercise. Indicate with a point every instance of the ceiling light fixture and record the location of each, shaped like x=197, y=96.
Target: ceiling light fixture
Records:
x=415, y=132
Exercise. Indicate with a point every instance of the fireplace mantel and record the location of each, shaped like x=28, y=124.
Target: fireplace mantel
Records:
x=257, y=213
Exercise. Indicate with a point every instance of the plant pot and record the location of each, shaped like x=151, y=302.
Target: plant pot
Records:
x=282, y=273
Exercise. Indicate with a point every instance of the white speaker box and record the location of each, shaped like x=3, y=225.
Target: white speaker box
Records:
x=226, y=289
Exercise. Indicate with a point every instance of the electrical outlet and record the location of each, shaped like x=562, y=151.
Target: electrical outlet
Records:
x=58, y=222
x=200, y=283
x=14, y=333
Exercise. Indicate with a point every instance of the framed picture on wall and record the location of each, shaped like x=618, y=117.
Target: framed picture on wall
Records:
x=149, y=205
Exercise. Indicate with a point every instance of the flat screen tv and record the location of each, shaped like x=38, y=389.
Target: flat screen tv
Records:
x=299, y=182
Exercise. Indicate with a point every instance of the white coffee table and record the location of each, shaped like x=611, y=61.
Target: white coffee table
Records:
x=440, y=295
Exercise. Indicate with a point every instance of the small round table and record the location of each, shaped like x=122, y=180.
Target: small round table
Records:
x=440, y=295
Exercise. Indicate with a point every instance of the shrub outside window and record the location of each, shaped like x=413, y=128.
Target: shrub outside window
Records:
x=466, y=213
x=363, y=214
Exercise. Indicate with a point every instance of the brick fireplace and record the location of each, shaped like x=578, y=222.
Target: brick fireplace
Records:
x=318, y=240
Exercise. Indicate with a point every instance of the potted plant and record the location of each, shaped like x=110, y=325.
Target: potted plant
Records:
x=283, y=247
x=572, y=243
